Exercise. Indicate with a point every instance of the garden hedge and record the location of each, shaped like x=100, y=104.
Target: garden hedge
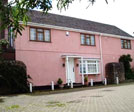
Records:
x=13, y=76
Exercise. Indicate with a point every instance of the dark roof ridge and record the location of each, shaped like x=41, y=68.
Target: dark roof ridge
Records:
x=76, y=23
x=77, y=18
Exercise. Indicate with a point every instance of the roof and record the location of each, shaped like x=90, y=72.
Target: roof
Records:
x=71, y=22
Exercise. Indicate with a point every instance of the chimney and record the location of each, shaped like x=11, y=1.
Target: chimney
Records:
x=2, y=32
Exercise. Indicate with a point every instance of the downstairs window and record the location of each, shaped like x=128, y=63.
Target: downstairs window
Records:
x=89, y=66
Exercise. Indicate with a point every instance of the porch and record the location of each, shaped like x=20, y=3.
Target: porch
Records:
x=86, y=67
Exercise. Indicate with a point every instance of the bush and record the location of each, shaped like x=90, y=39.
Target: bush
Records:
x=59, y=81
x=114, y=70
x=13, y=76
x=126, y=59
x=129, y=74
x=86, y=79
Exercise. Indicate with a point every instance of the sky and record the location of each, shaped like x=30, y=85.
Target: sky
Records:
x=117, y=12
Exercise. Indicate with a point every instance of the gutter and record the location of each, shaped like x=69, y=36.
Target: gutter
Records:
x=75, y=30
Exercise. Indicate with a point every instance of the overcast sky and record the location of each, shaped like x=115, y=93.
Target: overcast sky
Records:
x=117, y=12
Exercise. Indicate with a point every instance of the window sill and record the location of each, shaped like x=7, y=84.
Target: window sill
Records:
x=88, y=45
x=90, y=74
x=40, y=41
x=126, y=48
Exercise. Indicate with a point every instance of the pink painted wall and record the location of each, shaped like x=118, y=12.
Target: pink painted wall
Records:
x=112, y=50
x=44, y=62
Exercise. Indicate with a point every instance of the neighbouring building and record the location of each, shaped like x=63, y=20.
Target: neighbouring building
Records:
x=54, y=46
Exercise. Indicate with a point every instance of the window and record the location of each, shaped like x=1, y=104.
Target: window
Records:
x=87, y=40
x=32, y=34
x=89, y=66
x=11, y=37
x=47, y=35
x=125, y=44
x=39, y=34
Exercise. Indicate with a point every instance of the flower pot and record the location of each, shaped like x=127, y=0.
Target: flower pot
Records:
x=86, y=83
x=61, y=86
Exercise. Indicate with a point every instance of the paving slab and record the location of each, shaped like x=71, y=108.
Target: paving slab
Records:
x=111, y=99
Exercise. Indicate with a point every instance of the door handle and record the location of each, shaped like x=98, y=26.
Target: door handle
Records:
x=73, y=69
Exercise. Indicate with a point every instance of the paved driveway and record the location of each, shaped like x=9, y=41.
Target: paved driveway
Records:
x=111, y=99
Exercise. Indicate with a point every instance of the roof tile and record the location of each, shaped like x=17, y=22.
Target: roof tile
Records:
x=71, y=22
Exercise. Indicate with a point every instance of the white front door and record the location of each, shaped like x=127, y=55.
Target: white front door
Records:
x=71, y=71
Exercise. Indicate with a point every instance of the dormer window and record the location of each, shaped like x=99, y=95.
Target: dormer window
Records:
x=87, y=39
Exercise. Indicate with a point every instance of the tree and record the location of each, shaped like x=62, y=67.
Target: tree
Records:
x=16, y=10
x=126, y=59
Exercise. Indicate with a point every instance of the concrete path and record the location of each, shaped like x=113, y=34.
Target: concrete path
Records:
x=112, y=99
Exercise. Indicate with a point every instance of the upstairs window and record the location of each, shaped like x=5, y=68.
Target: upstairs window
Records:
x=40, y=34
x=87, y=40
x=125, y=44
x=89, y=66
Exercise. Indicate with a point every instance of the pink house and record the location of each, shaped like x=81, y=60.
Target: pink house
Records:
x=54, y=46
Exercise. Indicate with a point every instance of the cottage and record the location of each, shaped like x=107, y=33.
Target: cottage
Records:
x=54, y=46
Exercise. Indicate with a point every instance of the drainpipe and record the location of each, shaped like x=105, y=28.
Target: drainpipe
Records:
x=101, y=54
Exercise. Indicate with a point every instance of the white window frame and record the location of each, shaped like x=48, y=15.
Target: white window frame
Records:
x=96, y=63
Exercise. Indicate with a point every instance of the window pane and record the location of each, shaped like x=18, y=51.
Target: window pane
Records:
x=82, y=39
x=40, y=30
x=94, y=68
x=92, y=40
x=40, y=36
x=122, y=44
x=84, y=68
x=32, y=34
x=47, y=35
x=125, y=44
x=90, y=61
x=129, y=45
x=83, y=61
x=90, y=67
x=88, y=41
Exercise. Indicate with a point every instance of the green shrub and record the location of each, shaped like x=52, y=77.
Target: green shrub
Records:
x=126, y=59
x=4, y=42
x=130, y=74
x=59, y=81
x=13, y=76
